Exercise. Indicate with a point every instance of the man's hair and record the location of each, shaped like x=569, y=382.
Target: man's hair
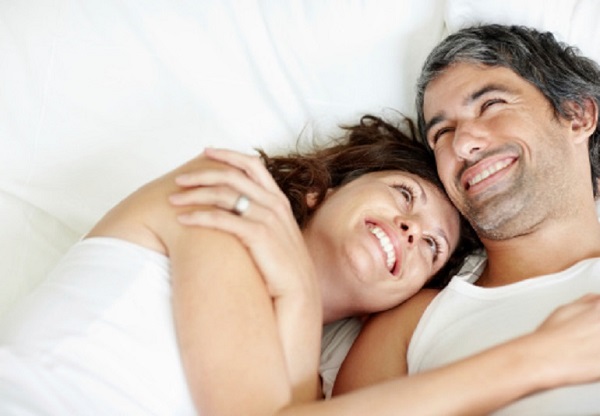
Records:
x=372, y=145
x=558, y=70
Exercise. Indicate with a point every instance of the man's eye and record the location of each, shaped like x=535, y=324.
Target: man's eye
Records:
x=439, y=135
x=488, y=103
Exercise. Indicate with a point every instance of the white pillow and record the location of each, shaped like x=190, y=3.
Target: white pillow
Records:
x=99, y=97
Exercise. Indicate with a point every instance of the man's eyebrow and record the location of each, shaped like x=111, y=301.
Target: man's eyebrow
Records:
x=484, y=90
x=435, y=120
x=438, y=118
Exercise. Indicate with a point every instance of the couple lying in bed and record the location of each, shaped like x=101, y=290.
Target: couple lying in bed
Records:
x=206, y=290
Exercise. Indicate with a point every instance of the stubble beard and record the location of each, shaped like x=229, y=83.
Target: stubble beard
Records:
x=514, y=212
x=521, y=208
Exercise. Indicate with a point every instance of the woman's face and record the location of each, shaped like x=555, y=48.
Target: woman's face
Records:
x=378, y=239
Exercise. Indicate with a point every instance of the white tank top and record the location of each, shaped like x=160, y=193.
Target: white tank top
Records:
x=95, y=338
x=464, y=319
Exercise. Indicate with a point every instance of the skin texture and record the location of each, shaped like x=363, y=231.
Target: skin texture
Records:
x=444, y=391
x=532, y=206
x=415, y=220
x=500, y=121
x=496, y=143
x=418, y=220
x=283, y=321
x=275, y=374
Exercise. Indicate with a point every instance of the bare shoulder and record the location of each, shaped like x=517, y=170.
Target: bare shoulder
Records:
x=146, y=217
x=379, y=352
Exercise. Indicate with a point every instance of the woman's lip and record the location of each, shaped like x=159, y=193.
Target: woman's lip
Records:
x=394, y=240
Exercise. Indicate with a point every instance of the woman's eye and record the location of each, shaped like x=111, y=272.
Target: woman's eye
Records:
x=406, y=192
x=434, y=246
x=407, y=195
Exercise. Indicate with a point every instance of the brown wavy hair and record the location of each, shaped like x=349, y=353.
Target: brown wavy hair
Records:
x=372, y=145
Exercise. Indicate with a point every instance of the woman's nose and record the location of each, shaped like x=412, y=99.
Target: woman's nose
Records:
x=410, y=230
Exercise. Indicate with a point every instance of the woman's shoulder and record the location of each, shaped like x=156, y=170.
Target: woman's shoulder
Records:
x=145, y=216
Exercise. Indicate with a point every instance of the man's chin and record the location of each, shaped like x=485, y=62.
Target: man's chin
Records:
x=496, y=220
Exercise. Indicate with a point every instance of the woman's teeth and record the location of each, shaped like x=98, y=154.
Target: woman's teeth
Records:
x=489, y=171
x=386, y=245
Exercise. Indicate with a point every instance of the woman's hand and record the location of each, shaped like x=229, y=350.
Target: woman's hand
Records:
x=266, y=226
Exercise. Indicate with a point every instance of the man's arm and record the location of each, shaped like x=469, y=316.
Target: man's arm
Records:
x=379, y=352
x=476, y=385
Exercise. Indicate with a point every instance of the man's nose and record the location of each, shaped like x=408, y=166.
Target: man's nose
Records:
x=469, y=139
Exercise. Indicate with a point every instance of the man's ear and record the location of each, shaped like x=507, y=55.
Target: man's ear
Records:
x=584, y=119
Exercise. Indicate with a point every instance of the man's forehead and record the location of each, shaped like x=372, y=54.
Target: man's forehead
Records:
x=464, y=82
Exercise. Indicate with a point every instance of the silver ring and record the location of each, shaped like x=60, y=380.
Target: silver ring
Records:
x=241, y=205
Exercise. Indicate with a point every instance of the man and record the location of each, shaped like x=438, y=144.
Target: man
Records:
x=512, y=118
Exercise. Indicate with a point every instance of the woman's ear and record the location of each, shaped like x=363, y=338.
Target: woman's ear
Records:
x=311, y=198
x=584, y=120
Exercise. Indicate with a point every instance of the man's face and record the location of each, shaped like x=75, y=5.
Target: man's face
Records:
x=502, y=155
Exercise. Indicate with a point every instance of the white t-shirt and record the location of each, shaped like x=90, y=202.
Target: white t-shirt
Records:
x=465, y=319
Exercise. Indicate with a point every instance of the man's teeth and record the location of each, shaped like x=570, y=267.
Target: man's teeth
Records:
x=489, y=171
x=386, y=245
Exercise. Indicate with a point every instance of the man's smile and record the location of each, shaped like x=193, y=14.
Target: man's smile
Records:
x=486, y=173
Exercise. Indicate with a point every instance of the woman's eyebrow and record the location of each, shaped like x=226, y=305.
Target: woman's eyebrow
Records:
x=422, y=193
x=440, y=231
x=437, y=230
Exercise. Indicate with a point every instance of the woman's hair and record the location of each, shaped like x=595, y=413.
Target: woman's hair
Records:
x=557, y=70
x=372, y=145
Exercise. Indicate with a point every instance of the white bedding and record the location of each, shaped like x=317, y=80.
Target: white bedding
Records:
x=99, y=96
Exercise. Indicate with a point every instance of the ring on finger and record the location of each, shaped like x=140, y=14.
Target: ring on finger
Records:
x=241, y=205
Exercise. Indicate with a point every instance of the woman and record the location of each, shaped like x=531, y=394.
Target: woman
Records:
x=98, y=332
x=97, y=337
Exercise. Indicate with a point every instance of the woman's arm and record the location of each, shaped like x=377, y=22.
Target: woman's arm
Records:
x=229, y=332
x=225, y=322
x=269, y=231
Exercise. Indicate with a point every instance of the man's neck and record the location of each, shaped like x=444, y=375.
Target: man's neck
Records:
x=550, y=249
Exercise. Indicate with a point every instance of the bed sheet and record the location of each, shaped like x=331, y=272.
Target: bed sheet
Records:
x=100, y=96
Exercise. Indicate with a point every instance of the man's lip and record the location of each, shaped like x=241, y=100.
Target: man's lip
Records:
x=393, y=236
x=486, y=171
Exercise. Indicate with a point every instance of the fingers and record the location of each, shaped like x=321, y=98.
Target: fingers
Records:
x=242, y=203
x=220, y=220
x=223, y=187
x=224, y=198
x=246, y=165
x=244, y=187
x=585, y=304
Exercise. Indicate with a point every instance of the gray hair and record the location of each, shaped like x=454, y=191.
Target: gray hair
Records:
x=558, y=70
